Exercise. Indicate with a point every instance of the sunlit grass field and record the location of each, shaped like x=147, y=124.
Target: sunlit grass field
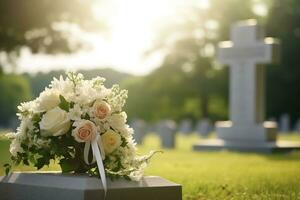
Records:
x=217, y=175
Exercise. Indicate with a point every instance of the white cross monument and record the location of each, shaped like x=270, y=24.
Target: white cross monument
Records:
x=245, y=54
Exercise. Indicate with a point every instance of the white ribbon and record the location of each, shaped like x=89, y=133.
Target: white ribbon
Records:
x=98, y=155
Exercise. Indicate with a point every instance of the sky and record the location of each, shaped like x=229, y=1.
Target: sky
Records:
x=133, y=27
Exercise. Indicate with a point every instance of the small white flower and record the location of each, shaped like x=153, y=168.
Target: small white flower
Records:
x=75, y=112
x=64, y=87
x=27, y=109
x=84, y=93
x=136, y=175
x=15, y=148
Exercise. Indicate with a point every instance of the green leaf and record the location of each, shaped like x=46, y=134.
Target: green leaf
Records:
x=64, y=104
x=41, y=162
x=68, y=165
x=87, y=117
x=124, y=142
x=25, y=161
x=127, y=178
x=7, y=168
x=36, y=118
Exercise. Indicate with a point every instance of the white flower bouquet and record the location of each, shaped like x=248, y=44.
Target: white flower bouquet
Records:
x=80, y=124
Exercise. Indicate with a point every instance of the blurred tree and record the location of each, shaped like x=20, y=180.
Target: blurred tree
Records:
x=39, y=81
x=44, y=25
x=283, y=92
x=14, y=90
x=189, y=83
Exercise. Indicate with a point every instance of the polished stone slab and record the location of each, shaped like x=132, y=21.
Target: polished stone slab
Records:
x=50, y=186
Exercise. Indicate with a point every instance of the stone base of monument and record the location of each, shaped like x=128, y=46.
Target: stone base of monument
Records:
x=228, y=131
x=246, y=138
x=56, y=186
x=262, y=147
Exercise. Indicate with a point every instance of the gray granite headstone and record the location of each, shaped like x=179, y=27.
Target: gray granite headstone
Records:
x=50, y=186
x=284, y=123
x=204, y=127
x=140, y=129
x=247, y=129
x=167, y=132
x=185, y=126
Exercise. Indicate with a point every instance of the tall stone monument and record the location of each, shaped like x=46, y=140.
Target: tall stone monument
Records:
x=245, y=54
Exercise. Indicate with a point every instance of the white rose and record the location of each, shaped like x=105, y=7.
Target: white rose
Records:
x=111, y=141
x=48, y=99
x=85, y=131
x=55, y=122
x=118, y=121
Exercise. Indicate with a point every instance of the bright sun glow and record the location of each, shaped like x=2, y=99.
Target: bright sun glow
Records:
x=260, y=9
x=133, y=25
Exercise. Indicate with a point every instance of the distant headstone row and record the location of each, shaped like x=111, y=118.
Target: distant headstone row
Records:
x=286, y=126
x=167, y=129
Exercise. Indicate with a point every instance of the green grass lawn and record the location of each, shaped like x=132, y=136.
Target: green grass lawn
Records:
x=217, y=175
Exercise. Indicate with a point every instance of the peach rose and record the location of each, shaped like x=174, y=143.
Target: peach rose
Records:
x=85, y=131
x=101, y=109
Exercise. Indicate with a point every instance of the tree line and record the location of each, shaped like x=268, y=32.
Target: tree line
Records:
x=189, y=83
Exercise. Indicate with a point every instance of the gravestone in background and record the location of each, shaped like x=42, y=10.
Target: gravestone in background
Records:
x=185, y=126
x=245, y=54
x=204, y=127
x=140, y=129
x=166, y=130
x=284, y=123
x=151, y=128
x=297, y=126
x=51, y=186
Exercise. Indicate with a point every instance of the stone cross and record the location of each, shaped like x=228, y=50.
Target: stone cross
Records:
x=247, y=130
x=245, y=54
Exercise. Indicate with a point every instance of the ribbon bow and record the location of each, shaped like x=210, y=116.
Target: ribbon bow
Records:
x=96, y=144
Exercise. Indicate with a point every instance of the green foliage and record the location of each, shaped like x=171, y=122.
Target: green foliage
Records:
x=14, y=90
x=7, y=168
x=171, y=92
x=63, y=103
x=283, y=89
x=68, y=165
